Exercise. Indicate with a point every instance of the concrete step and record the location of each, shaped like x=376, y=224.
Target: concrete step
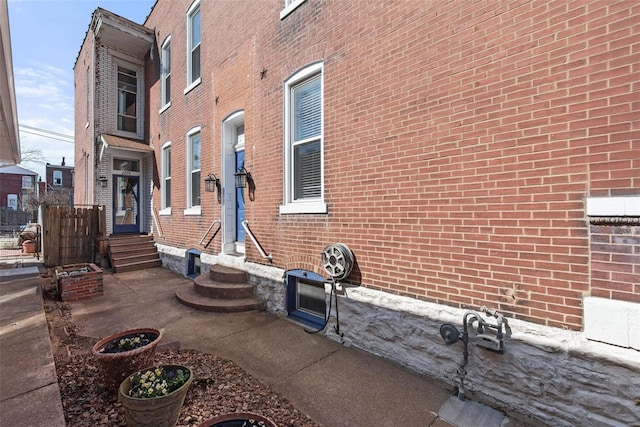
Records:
x=205, y=286
x=187, y=295
x=131, y=266
x=223, y=274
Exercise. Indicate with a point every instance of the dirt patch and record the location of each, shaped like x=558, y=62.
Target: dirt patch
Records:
x=219, y=385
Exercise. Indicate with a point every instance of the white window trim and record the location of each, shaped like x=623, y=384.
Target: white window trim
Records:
x=195, y=209
x=613, y=206
x=59, y=173
x=290, y=6
x=191, y=84
x=165, y=210
x=139, y=99
x=163, y=94
x=290, y=206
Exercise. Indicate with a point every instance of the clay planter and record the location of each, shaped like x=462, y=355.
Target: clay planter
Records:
x=238, y=419
x=115, y=367
x=160, y=411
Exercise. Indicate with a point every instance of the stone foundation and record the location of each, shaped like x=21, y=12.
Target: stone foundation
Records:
x=79, y=281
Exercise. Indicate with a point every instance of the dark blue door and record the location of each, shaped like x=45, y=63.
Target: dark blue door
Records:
x=239, y=200
x=126, y=206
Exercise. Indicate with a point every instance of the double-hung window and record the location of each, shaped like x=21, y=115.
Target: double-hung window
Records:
x=193, y=45
x=127, y=100
x=166, y=178
x=165, y=75
x=304, y=142
x=57, y=178
x=193, y=170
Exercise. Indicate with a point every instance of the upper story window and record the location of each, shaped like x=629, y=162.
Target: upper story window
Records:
x=127, y=100
x=57, y=178
x=165, y=76
x=290, y=6
x=304, y=188
x=193, y=44
x=166, y=176
x=26, y=182
x=193, y=168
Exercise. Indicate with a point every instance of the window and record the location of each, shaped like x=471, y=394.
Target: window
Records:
x=194, y=265
x=306, y=301
x=166, y=177
x=26, y=182
x=165, y=77
x=57, y=178
x=88, y=95
x=127, y=97
x=193, y=168
x=303, y=142
x=193, y=45
x=290, y=6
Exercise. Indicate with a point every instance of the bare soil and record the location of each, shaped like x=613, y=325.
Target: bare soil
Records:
x=219, y=385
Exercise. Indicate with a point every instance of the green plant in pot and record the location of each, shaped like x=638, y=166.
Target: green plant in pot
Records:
x=122, y=353
x=154, y=396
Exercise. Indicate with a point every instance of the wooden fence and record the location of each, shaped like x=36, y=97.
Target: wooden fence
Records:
x=70, y=234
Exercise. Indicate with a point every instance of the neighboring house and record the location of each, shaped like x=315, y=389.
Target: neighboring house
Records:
x=9, y=134
x=60, y=178
x=17, y=185
x=469, y=154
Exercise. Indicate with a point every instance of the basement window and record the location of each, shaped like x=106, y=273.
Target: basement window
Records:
x=193, y=263
x=306, y=302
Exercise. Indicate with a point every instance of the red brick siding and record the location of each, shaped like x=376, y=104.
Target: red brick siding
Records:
x=460, y=138
x=615, y=262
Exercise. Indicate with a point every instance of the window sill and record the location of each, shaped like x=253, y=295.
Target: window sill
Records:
x=196, y=210
x=86, y=125
x=304, y=208
x=165, y=212
x=165, y=107
x=293, y=6
x=613, y=206
x=192, y=85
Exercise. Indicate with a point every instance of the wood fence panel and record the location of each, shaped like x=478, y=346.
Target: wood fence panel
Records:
x=70, y=233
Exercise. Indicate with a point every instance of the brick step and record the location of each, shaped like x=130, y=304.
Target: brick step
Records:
x=187, y=295
x=207, y=287
x=131, y=266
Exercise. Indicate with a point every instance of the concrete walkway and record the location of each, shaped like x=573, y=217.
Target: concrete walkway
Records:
x=29, y=393
x=335, y=385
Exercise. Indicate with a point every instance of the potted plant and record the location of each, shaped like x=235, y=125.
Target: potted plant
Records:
x=238, y=419
x=122, y=353
x=154, y=396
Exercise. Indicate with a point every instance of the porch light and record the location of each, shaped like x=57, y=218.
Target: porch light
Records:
x=242, y=176
x=211, y=182
x=103, y=181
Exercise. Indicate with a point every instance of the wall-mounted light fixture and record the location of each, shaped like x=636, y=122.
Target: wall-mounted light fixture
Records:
x=242, y=176
x=211, y=182
x=103, y=181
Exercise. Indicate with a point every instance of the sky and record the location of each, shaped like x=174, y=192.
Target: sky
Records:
x=46, y=36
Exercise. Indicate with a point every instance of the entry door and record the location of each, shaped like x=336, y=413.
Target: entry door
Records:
x=126, y=206
x=239, y=205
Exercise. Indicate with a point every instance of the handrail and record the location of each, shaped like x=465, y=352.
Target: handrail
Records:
x=245, y=225
x=157, y=222
x=208, y=230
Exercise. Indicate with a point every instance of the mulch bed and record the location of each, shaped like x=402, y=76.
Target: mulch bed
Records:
x=219, y=385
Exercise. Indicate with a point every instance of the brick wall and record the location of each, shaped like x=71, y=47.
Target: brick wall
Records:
x=615, y=261
x=460, y=139
x=74, y=283
x=84, y=129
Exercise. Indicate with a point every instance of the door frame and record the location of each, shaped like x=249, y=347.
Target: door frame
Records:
x=228, y=208
x=126, y=229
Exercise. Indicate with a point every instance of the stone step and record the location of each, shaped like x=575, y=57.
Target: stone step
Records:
x=205, y=286
x=187, y=295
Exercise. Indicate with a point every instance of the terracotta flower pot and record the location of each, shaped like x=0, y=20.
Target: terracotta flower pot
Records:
x=115, y=367
x=238, y=419
x=160, y=411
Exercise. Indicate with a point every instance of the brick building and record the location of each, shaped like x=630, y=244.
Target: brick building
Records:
x=468, y=154
x=17, y=184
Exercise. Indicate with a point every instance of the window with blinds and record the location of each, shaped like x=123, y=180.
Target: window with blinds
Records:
x=307, y=133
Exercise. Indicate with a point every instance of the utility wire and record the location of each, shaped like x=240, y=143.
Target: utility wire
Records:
x=46, y=133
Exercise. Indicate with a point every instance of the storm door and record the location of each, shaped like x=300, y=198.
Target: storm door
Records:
x=126, y=204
